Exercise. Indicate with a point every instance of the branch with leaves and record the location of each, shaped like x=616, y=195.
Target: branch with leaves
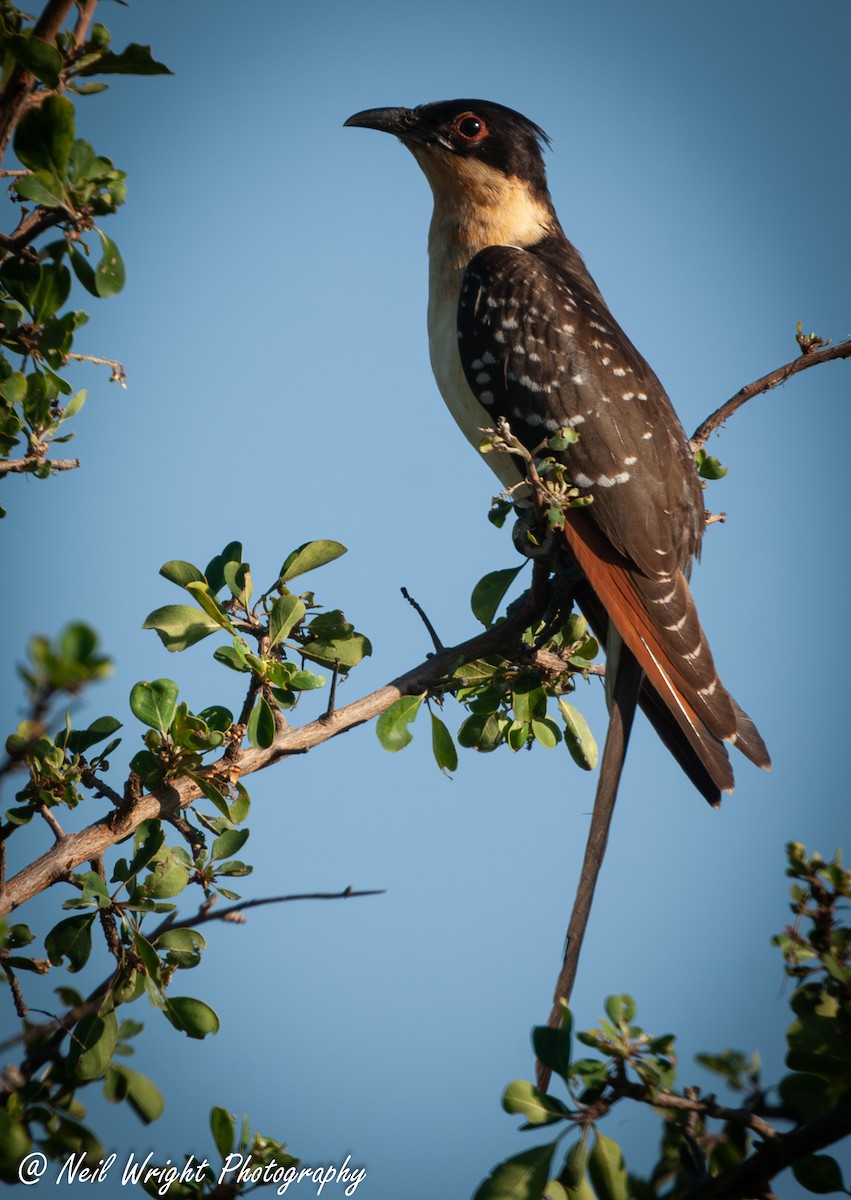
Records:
x=63, y=187
x=708, y=1149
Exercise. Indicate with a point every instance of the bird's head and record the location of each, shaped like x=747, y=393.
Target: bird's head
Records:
x=470, y=150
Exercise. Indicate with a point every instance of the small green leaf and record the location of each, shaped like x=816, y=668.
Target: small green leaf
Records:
x=489, y=591
x=537, y=1107
x=261, y=725
x=392, y=726
x=92, y=1045
x=286, y=613
x=578, y=737
x=154, y=703
x=71, y=939
x=442, y=745
x=135, y=59
x=819, y=1173
x=607, y=1169
x=192, y=1017
x=180, y=625
x=180, y=572
x=522, y=1177
x=80, y=740
x=308, y=557
x=228, y=843
x=38, y=56
x=168, y=878
x=620, y=1009
x=143, y=1096
x=110, y=275
x=42, y=187
x=552, y=1046
x=45, y=135
x=221, y=1127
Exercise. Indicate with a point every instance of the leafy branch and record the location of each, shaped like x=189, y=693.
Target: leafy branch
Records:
x=697, y=1160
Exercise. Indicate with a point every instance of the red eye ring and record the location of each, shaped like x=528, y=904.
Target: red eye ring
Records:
x=470, y=127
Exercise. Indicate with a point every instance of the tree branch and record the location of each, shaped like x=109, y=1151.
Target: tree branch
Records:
x=166, y=801
x=751, y=1178
x=808, y=359
x=21, y=82
x=22, y=466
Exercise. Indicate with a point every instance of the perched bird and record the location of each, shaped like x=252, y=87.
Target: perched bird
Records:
x=518, y=329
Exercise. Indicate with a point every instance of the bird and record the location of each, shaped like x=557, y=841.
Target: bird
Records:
x=519, y=331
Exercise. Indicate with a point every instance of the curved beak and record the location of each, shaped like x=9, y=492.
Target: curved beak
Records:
x=402, y=122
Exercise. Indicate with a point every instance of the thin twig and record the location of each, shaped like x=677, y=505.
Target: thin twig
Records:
x=432, y=633
x=50, y=820
x=22, y=466
x=769, y=381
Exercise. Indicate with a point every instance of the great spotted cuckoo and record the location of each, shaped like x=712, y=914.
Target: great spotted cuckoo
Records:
x=518, y=329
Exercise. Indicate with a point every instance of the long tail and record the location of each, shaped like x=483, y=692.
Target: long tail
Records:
x=624, y=697
x=658, y=621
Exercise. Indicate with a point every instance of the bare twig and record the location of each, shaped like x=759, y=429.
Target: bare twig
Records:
x=436, y=642
x=50, y=820
x=812, y=359
x=119, y=375
x=22, y=466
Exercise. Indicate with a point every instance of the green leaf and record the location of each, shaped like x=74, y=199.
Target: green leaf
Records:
x=183, y=946
x=180, y=625
x=80, y=740
x=192, y=1017
x=168, y=878
x=607, y=1169
x=228, y=843
x=578, y=737
x=308, y=557
x=819, y=1173
x=489, y=591
x=285, y=614
x=261, y=725
x=45, y=135
x=522, y=1177
x=546, y=733
x=708, y=467
x=71, y=939
x=109, y=275
x=442, y=745
x=180, y=572
x=805, y=1096
x=143, y=1096
x=38, y=56
x=392, y=726
x=215, y=574
x=572, y=1174
x=620, y=1009
x=42, y=187
x=552, y=1046
x=221, y=1127
x=92, y=1045
x=154, y=703
x=134, y=60
x=206, y=600
x=538, y=1108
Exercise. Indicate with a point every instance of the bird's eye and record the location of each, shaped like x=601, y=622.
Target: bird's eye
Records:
x=470, y=128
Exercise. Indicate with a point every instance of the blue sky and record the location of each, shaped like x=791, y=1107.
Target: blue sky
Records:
x=273, y=331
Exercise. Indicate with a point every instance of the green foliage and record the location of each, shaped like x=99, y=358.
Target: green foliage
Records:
x=508, y=700
x=64, y=188
x=267, y=641
x=633, y=1066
